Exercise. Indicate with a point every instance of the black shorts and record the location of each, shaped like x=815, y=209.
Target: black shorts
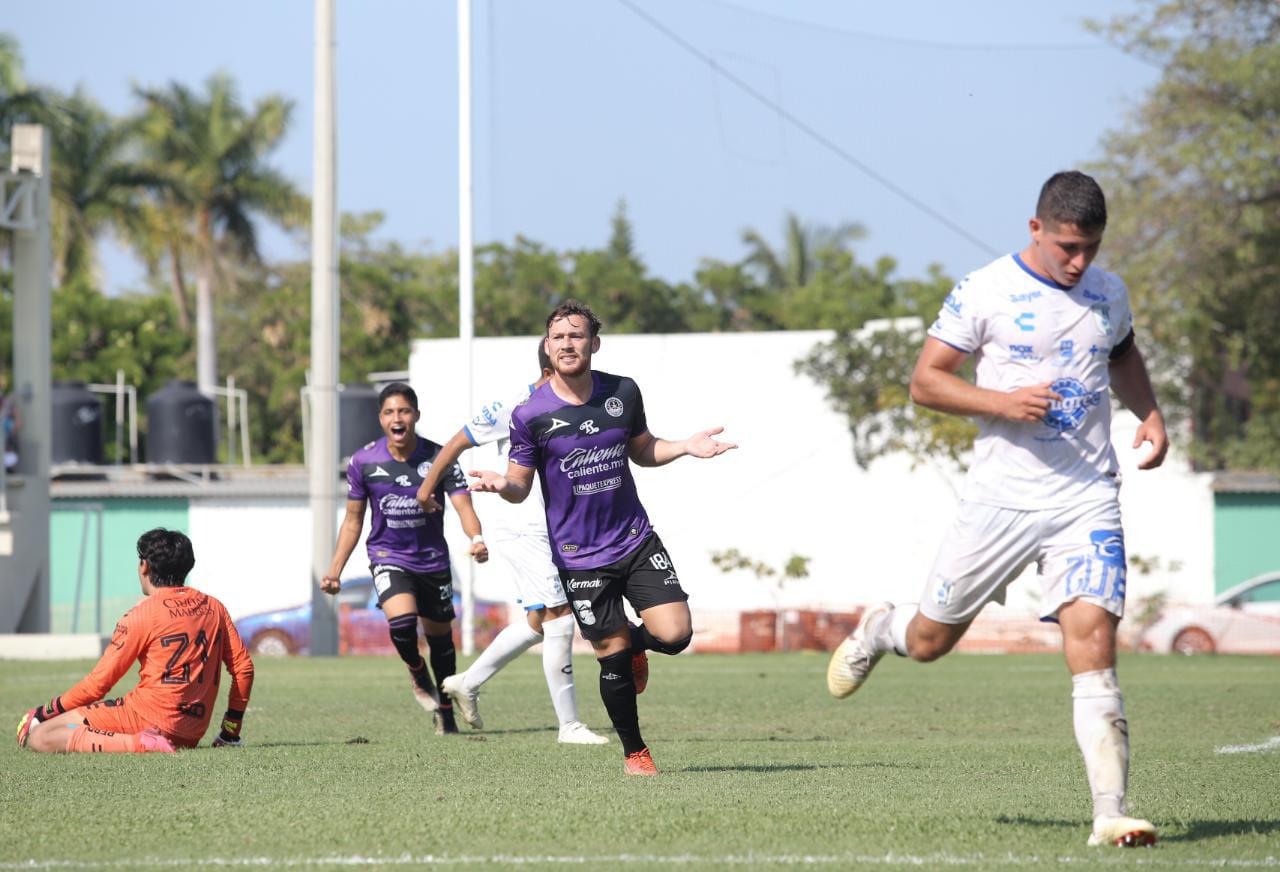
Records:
x=646, y=577
x=432, y=590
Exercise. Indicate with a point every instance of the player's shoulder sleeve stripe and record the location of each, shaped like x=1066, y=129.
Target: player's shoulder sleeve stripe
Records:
x=470, y=436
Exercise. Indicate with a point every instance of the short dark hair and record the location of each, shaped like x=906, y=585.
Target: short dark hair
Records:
x=573, y=307
x=1071, y=197
x=169, y=554
x=544, y=359
x=398, y=389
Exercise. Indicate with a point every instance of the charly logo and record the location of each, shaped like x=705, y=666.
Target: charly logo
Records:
x=1069, y=412
x=1102, y=317
x=1108, y=546
x=613, y=406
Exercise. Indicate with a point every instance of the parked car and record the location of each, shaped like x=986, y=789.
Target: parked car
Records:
x=362, y=629
x=1242, y=620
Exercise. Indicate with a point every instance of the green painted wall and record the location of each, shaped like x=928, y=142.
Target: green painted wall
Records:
x=1246, y=537
x=123, y=520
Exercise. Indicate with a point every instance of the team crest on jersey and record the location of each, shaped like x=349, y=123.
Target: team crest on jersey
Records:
x=613, y=406
x=1102, y=317
x=423, y=468
x=942, y=593
x=1069, y=412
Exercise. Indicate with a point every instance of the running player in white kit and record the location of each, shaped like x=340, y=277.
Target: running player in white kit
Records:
x=1050, y=334
x=518, y=534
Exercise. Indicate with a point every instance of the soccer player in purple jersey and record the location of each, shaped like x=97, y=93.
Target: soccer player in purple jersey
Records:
x=408, y=555
x=579, y=430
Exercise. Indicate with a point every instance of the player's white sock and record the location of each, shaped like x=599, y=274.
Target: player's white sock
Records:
x=515, y=639
x=557, y=665
x=1103, y=736
x=891, y=635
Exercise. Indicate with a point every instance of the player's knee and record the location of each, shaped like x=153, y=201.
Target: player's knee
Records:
x=926, y=649
x=662, y=646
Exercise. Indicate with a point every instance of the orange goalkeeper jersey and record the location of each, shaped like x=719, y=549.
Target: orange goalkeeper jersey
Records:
x=181, y=637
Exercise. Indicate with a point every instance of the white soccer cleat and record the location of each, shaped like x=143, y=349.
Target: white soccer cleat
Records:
x=577, y=733
x=465, y=700
x=1123, y=832
x=853, y=659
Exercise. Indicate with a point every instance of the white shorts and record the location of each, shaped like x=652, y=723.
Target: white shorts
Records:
x=1078, y=552
x=536, y=577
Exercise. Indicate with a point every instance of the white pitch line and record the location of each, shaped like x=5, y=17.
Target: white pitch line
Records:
x=1102, y=856
x=1272, y=744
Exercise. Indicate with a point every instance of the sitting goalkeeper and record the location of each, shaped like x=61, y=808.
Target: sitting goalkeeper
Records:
x=181, y=637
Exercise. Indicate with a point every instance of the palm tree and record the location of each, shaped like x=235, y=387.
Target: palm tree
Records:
x=795, y=267
x=96, y=187
x=211, y=154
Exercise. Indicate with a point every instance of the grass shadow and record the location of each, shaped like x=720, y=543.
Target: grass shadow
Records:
x=791, y=767
x=1195, y=831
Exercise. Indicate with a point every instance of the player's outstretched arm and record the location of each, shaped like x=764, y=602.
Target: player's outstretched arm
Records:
x=1132, y=384
x=447, y=457
x=513, y=487
x=648, y=450
x=348, y=536
x=935, y=385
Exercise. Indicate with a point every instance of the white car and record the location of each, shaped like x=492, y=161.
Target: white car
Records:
x=1242, y=620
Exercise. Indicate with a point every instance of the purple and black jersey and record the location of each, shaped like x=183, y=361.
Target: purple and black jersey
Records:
x=594, y=516
x=400, y=533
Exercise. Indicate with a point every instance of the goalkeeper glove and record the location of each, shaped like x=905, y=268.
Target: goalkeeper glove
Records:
x=229, y=735
x=52, y=710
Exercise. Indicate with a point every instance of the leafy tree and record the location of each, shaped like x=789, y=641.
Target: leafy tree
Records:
x=1194, y=185
x=96, y=187
x=867, y=377
x=211, y=154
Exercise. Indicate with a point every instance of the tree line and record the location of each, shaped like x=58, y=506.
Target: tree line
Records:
x=187, y=182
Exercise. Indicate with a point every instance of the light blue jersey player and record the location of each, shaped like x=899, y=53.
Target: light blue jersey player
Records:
x=1052, y=337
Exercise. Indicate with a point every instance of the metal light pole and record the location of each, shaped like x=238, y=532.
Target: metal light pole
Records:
x=323, y=454
x=466, y=304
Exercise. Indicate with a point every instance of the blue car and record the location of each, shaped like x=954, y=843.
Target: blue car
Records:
x=362, y=628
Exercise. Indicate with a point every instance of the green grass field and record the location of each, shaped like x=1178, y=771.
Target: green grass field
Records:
x=969, y=762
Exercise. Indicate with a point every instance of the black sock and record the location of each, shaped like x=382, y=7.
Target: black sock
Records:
x=618, y=690
x=639, y=638
x=404, y=635
x=444, y=660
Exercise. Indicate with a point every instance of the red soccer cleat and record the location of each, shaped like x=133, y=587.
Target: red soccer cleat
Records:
x=151, y=740
x=639, y=763
x=24, y=727
x=640, y=671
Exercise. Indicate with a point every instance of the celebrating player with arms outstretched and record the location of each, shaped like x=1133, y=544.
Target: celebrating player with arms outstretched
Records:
x=408, y=556
x=520, y=538
x=1051, y=334
x=579, y=430
x=181, y=637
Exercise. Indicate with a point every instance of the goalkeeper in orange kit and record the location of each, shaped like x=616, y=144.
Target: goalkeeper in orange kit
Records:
x=180, y=637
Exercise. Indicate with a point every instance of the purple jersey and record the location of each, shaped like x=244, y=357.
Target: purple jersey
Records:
x=400, y=533
x=594, y=516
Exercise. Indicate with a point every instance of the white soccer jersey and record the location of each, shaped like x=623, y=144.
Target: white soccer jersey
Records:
x=493, y=424
x=1025, y=329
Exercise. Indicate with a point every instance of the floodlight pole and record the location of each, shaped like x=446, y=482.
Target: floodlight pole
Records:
x=466, y=277
x=323, y=454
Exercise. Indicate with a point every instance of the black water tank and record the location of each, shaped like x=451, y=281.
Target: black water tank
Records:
x=357, y=418
x=182, y=425
x=77, y=424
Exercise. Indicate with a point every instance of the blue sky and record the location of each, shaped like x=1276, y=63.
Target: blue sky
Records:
x=964, y=108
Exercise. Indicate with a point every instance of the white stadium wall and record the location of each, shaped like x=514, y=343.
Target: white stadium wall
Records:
x=792, y=487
